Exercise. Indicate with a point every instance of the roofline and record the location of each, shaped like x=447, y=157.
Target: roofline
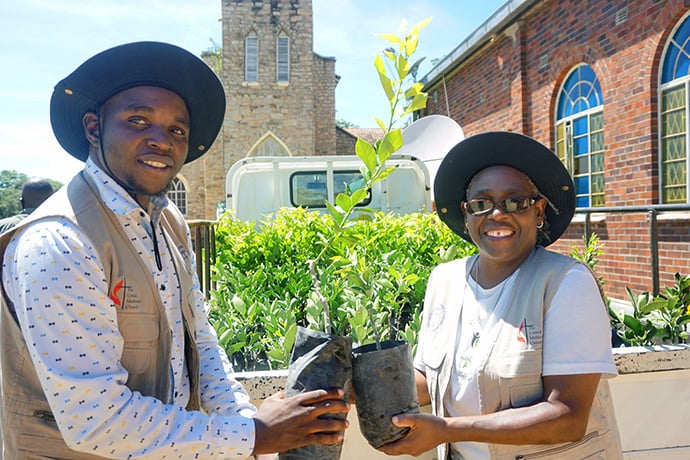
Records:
x=498, y=21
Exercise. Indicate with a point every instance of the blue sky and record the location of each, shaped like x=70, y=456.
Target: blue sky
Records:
x=42, y=41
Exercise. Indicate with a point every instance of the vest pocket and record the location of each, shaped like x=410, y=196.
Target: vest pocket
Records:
x=520, y=374
x=140, y=332
x=41, y=439
x=519, y=364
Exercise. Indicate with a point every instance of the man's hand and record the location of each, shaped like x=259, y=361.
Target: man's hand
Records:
x=285, y=423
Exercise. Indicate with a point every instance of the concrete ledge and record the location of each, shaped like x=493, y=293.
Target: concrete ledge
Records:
x=629, y=360
x=648, y=396
x=262, y=384
x=635, y=360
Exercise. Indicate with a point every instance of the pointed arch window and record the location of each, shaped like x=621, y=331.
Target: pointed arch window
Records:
x=283, y=59
x=674, y=89
x=580, y=134
x=251, y=58
x=177, y=193
x=269, y=146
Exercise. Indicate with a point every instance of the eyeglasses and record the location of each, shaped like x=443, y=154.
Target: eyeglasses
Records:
x=482, y=206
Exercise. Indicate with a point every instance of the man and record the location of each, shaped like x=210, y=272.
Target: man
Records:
x=34, y=192
x=107, y=350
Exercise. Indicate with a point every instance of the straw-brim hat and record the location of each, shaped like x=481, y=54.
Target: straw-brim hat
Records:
x=518, y=151
x=138, y=64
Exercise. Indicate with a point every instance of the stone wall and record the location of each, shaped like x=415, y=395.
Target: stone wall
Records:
x=296, y=118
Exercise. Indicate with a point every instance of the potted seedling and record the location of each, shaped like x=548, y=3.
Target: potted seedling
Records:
x=381, y=372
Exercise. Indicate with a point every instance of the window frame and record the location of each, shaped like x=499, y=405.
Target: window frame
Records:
x=565, y=148
x=664, y=87
x=251, y=59
x=283, y=59
x=320, y=181
x=176, y=192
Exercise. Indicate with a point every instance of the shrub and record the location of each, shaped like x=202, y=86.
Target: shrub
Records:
x=264, y=288
x=653, y=319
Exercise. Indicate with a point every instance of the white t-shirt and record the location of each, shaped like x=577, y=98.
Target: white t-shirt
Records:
x=577, y=340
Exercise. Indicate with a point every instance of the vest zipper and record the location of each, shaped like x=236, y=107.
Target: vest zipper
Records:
x=44, y=415
x=156, y=253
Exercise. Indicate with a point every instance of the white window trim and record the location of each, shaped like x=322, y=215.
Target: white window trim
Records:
x=569, y=157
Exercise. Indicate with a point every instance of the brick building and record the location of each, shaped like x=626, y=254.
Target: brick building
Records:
x=605, y=85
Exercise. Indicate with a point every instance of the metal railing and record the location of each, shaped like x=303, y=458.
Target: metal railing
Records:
x=652, y=211
x=204, y=242
x=204, y=238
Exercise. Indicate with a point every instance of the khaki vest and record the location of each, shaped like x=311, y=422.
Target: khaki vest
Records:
x=511, y=376
x=29, y=429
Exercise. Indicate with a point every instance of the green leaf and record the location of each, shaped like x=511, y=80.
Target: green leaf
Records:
x=414, y=90
x=344, y=201
x=359, y=196
x=391, y=38
x=402, y=66
x=386, y=172
x=415, y=29
x=391, y=142
x=335, y=213
x=238, y=305
x=419, y=102
x=386, y=83
x=389, y=54
x=411, y=44
x=366, y=152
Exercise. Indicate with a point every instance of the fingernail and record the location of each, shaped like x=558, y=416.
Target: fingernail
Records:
x=395, y=419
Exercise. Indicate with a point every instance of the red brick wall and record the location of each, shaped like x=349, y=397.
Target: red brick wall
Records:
x=512, y=83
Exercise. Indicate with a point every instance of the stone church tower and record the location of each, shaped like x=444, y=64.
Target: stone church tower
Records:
x=280, y=97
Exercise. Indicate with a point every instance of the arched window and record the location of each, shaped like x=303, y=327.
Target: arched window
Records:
x=178, y=194
x=673, y=116
x=283, y=58
x=580, y=134
x=251, y=58
x=269, y=146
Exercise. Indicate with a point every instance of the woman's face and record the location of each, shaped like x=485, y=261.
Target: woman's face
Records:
x=502, y=237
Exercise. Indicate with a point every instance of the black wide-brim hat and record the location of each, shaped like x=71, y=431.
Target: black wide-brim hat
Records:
x=518, y=151
x=138, y=64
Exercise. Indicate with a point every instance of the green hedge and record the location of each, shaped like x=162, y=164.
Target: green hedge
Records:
x=378, y=265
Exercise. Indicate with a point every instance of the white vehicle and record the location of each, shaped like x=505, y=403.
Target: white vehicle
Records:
x=259, y=186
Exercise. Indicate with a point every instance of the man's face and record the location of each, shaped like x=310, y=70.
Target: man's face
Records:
x=145, y=134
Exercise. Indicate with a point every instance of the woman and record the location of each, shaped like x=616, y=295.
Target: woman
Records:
x=514, y=340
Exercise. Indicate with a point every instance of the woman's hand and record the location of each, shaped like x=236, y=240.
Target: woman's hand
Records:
x=426, y=432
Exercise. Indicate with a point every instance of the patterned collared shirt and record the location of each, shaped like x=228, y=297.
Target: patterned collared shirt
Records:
x=50, y=272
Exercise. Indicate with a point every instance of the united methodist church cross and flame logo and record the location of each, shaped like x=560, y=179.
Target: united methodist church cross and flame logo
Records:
x=523, y=335
x=118, y=292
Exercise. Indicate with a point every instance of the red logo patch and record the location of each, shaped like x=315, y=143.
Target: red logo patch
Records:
x=114, y=293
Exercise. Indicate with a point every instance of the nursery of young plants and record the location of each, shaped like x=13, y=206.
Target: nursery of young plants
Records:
x=374, y=274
